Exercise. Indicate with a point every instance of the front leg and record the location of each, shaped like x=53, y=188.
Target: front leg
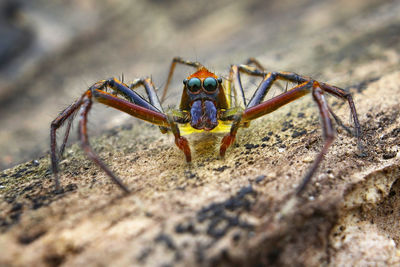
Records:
x=228, y=139
x=137, y=107
x=180, y=141
x=261, y=109
x=289, y=96
x=272, y=77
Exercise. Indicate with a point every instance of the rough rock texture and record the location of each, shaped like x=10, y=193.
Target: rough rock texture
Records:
x=237, y=210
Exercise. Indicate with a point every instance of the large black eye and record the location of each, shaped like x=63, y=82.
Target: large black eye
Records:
x=194, y=85
x=210, y=84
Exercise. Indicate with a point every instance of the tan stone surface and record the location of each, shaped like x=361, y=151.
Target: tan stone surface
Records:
x=235, y=211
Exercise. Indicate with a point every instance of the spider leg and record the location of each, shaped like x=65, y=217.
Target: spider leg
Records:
x=66, y=135
x=128, y=92
x=261, y=109
x=176, y=60
x=180, y=141
x=138, y=111
x=154, y=117
x=140, y=108
x=260, y=67
x=271, y=77
x=151, y=94
x=338, y=92
x=254, y=61
x=238, y=96
x=339, y=122
x=262, y=90
x=86, y=105
x=55, y=124
x=228, y=139
x=276, y=102
x=150, y=91
x=124, y=90
x=279, y=101
x=328, y=134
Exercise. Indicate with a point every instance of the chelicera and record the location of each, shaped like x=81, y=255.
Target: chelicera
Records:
x=208, y=103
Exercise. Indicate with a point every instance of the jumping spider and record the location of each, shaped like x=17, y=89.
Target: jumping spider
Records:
x=208, y=103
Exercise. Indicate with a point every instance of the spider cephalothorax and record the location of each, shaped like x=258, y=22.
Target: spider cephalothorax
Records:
x=203, y=97
x=208, y=103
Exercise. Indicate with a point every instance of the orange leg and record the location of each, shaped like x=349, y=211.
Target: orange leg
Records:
x=255, y=109
x=87, y=104
x=143, y=110
x=176, y=60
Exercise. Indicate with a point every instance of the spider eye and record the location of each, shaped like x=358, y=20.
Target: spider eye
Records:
x=210, y=84
x=194, y=85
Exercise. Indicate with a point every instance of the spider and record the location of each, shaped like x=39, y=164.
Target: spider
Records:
x=208, y=103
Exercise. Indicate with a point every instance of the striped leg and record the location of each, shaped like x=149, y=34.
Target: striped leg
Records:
x=140, y=108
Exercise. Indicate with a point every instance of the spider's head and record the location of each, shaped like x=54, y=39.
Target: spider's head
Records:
x=202, y=89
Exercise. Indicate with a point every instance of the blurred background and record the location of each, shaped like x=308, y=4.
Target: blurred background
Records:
x=51, y=51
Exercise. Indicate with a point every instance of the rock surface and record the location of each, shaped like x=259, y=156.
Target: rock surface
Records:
x=237, y=210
